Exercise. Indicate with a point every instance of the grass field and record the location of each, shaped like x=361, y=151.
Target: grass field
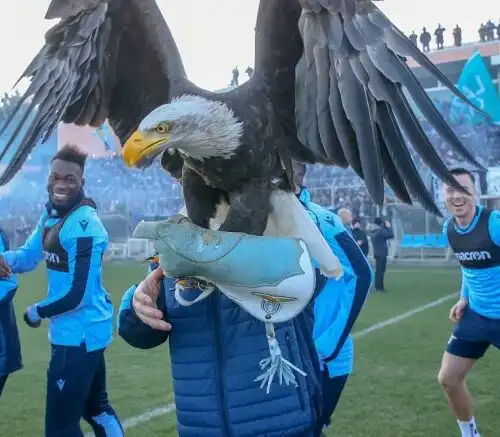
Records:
x=392, y=393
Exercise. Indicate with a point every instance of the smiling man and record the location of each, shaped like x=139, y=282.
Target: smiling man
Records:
x=72, y=240
x=473, y=233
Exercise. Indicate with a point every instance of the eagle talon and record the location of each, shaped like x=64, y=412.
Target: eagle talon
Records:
x=183, y=283
x=153, y=259
x=193, y=283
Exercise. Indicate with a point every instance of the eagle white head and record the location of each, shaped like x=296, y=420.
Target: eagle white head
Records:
x=196, y=126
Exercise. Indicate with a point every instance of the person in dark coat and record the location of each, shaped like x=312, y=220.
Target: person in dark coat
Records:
x=360, y=236
x=439, y=33
x=457, y=36
x=425, y=39
x=10, y=346
x=380, y=235
x=413, y=38
x=482, y=33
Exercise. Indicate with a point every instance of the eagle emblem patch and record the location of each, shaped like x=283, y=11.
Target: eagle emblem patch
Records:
x=271, y=304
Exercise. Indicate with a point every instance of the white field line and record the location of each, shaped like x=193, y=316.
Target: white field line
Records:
x=134, y=421
x=403, y=316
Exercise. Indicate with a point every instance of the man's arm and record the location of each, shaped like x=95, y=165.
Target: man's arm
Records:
x=27, y=257
x=494, y=227
x=444, y=231
x=8, y=288
x=135, y=332
x=388, y=232
x=333, y=323
x=84, y=238
x=464, y=291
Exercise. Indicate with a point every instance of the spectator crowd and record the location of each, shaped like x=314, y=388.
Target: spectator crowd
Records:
x=151, y=193
x=117, y=190
x=487, y=32
x=138, y=194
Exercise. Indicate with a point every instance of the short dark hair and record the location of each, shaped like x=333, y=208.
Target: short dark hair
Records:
x=461, y=170
x=71, y=153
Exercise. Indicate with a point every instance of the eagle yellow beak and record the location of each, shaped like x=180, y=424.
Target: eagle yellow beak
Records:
x=137, y=148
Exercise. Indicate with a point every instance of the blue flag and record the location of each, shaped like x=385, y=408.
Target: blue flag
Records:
x=476, y=83
x=106, y=136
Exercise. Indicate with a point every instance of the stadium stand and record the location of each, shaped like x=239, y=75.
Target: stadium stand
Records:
x=126, y=196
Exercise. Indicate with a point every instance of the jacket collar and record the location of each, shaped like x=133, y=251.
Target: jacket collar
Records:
x=80, y=199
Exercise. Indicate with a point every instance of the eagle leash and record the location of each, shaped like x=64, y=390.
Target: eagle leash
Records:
x=274, y=365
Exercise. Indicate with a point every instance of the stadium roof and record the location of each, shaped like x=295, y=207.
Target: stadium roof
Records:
x=463, y=53
x=222, y=90
x=451, y=61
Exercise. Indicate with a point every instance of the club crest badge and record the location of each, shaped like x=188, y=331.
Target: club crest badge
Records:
x=271, y=304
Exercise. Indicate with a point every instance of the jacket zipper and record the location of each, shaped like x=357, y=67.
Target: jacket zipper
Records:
x=220, y=370
x=290, y=358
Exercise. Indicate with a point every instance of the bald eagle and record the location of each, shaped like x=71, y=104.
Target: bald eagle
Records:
x=327, y=88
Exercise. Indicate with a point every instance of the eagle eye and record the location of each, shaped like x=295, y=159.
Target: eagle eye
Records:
x=162, y=128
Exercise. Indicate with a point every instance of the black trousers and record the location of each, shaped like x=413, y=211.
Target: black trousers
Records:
x=380, y=267
x=76, y=389
x=332, y=388
x=3, y=380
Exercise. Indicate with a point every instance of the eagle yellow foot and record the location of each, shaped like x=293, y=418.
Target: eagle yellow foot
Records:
x=153, y=259
x=186, y=284
x=183, y=283
x=193, y=283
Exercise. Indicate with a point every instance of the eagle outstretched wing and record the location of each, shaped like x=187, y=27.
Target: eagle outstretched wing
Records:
x=347, y=61
x=334, y=71
x=104, y=59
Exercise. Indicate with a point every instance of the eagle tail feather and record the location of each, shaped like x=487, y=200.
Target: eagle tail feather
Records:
x=288, y=218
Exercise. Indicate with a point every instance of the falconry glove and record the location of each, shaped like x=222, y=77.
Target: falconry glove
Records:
x=272, y=278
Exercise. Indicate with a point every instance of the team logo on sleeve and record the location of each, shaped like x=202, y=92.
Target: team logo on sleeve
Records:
x=84, y=224
x=329, y=219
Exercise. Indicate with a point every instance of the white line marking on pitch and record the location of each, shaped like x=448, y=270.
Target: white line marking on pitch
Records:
x=403, y=316
x=148, y=415
x=168, y=408
x=142, y=418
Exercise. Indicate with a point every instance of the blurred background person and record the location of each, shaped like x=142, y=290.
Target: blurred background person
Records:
x=360, y=236
x=346, y=217
x=380, y=236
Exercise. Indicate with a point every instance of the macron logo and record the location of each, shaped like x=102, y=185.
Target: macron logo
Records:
x=84, y=224
x=329, y=219
x=60, y=383
x=473, y=256
x=51, y=257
